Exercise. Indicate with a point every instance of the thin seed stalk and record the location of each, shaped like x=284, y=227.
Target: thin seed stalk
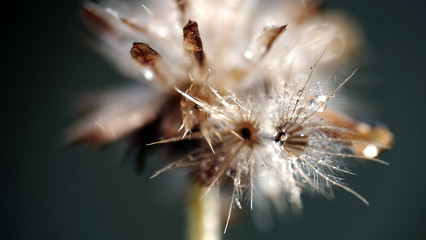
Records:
x=203, y=214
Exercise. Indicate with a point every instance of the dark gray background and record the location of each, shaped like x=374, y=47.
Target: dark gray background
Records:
x=52, y=192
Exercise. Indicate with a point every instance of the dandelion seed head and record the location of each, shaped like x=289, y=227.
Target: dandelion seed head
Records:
x=247, y=86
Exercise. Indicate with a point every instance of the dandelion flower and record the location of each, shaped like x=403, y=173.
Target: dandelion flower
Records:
x=248, y=87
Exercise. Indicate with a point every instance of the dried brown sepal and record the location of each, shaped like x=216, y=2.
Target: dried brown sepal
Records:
x=192, y=42
x=182, y=6
x=267, y=39
x=134, y=26
x=114, y=121
x=97, y=132
x=143, y=54
x=95, y=19
x=311, y=9
x=148, y=57
x=169, y=126
x=360, y=134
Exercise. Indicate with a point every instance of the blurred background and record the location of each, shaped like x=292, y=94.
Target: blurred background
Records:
x=55, y=192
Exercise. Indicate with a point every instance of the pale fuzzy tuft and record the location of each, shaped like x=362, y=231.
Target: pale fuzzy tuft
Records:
x=249, y=86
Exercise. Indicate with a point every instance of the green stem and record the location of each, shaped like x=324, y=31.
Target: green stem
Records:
x=203, y=214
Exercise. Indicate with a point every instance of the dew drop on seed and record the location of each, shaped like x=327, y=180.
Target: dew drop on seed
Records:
x=275, y=99
x=317, y=103
x=371, y=151
x=148, y=75
x=248, y=54
x=301, y=94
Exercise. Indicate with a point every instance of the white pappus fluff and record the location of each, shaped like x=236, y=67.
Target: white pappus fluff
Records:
x=248, y=83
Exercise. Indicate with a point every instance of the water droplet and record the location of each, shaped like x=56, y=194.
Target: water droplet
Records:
x=275, y=101
x=371, y=151
x=318, y=103
x=148, y=75
x=301, y=112
x=300, y=95
x=248, y=54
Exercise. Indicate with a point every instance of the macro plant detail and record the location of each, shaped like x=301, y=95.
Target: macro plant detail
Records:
x=248, y=87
